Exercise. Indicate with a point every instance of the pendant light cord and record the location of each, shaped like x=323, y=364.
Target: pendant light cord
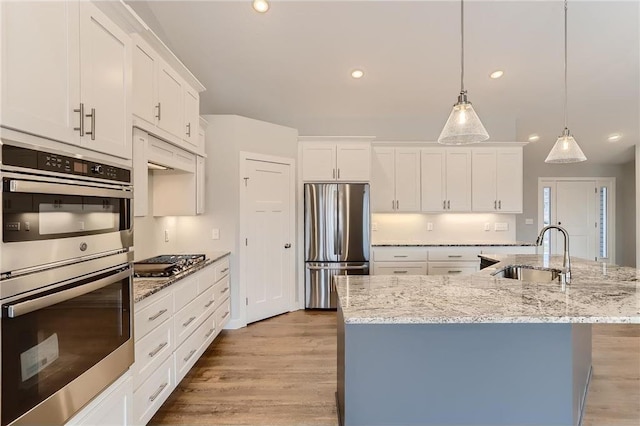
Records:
x=462, y=44
x=565, y=66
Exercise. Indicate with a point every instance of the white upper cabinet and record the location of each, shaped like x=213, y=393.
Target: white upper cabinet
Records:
x=105, y=89
x=343, y=162
x=40, y=68
x=497, y=180
x=395, y=180
x=446, y=180
x=66, y=75
x=145, y=91
x=170, y=103
x=191, y=133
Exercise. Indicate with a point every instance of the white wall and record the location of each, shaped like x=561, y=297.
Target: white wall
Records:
x=447, y=228
x=535, y=167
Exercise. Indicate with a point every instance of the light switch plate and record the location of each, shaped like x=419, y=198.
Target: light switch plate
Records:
x=528, y=221
x=166, y=235
x=215, y=234
x=429, y=226
x=374, y=226
x=501, y=226
x=487, y=226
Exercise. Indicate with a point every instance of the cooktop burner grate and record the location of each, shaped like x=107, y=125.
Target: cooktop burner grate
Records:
x=166, y=265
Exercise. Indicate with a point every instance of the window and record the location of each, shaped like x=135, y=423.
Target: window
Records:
x=603, y=251
x=546, y=218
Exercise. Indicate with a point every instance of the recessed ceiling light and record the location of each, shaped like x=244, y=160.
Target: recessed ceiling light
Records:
x=534, y=138
x=357, y=73
x=496, y=74
x=260, y=5
x=614, y=137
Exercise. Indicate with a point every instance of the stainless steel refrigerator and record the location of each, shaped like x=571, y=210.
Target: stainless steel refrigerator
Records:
x=336, y=234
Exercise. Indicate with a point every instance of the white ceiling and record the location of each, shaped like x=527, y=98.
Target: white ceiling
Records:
x=291, y=66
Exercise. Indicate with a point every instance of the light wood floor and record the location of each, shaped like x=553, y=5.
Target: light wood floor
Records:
x=282, y=371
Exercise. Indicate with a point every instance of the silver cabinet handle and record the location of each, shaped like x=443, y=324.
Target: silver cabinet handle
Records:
x=226, y=289
x=448, y=204
x=158, y=392
x=209, y=333
x=454, y=255
x=288, y=245
x=333, y=175
x=226, y=314
x=444, y=204
x=186, y=358
x=224, y=270
x=155, y=317
x=399, y=272
x=81, y=111
x=397, y=255
x=495, y=204
x=158, y=349
x=209, y=303
x=93, y=124
x=189, y=129
x=393, y=204
x=455, y=272
x=499, y=204
x=21, y=308
x=159, y=109
x=397, y=205
x=189, y=321
x=338, y=173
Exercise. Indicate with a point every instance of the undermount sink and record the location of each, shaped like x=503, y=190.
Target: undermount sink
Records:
x=528, y=273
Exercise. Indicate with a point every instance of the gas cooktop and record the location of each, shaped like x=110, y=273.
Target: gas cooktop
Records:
x=166, y=265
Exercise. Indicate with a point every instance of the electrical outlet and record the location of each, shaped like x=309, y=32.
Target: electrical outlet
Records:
x=374, y=226
x=501, y=226
x=166, y=235
x=528, y=221
x=487, y=226
x=429, y=226
x=215, y=234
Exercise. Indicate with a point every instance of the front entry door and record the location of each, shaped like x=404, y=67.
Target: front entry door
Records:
x=269, y=255
x=576, y=212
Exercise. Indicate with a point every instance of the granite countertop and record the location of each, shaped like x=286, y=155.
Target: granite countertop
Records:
x=452, y=244
x=598, y=293
x=145, y=287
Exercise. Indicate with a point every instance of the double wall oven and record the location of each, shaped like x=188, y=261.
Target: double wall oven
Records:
x=65, y=282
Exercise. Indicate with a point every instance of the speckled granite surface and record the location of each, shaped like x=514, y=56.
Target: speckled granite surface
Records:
x=451, y=244
x=145, y=287
x=598, y=293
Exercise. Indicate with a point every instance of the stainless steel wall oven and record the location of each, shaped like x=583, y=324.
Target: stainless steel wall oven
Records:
x=65, y=283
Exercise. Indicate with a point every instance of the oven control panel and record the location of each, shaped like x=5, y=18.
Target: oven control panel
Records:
x=47, y=161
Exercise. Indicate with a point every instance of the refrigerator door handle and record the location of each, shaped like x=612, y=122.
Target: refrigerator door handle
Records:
x=336, y=267
x=336, y=235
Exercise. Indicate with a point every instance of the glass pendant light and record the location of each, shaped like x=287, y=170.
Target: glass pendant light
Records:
x=566, y=149
x=463, y=125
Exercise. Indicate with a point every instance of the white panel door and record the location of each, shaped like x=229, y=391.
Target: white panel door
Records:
x=105, y=85
x=458, y=180
x=509, y=180
x=318, y=162
x=145, y=65
x=40, y=68
x=407, y=166
x=484, y=178
x=383, y=180
x=268, y=241
x=432, y=166
x=353, y=162
x=170, y=104
x=576, y=205
x=191, y=119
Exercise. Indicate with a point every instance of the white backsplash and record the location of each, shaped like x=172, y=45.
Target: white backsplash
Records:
x=449, y=227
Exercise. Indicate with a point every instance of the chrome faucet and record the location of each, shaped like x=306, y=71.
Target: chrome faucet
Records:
x=566, y=262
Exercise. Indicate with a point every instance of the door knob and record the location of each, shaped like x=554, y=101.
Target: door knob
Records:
x=288, y=245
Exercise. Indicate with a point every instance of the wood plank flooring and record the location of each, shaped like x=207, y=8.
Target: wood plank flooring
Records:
x=282, y=371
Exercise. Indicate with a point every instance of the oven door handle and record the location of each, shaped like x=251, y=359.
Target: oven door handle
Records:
x=29, y=186
x=21, y=308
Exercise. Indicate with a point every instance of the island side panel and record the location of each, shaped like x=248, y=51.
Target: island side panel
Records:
x=452, y=374
x=581, y=341
x=341, y=365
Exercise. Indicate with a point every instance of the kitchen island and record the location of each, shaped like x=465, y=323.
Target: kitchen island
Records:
x=475, y=349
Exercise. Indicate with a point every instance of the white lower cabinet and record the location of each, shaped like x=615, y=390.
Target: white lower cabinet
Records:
x=179, y=323
x=399, y=261
x=400, y=268
x=114, y=406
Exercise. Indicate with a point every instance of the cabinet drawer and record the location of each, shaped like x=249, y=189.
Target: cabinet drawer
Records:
x=453, y=255
x=399, y=254
x=188, y=319
x=222, y=289
x=400, y=268
x=223, y=314
x=222, y=269
x=185, y=291
x=188, y=353
x=206, y=278
x=453, y=269
x=151, y=351
x=148, y=398
x=152, y=316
